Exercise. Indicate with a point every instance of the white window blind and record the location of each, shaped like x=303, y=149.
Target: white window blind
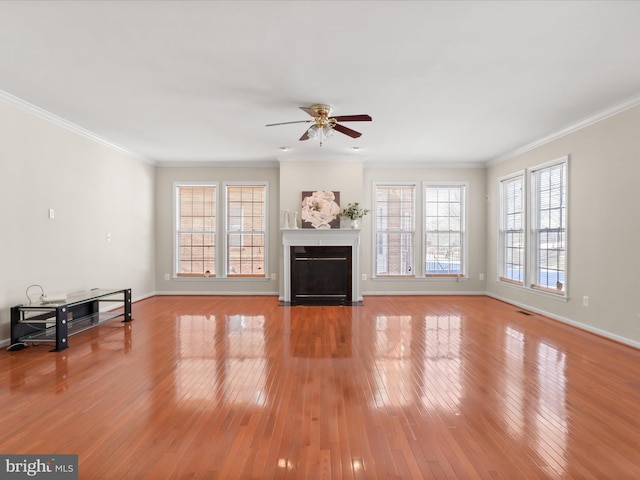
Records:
x=513, y=230
x=196, y=230
x=246, y=220
x=394, y=230
x=444, y=230
x=549, y=187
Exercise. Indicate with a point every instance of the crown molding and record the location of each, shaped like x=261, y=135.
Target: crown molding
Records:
x=266, y=163
x=574, y=127
x=432, y=164
x=67, y=125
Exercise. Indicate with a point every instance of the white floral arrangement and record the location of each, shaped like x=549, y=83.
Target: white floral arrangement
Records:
x=354, y=211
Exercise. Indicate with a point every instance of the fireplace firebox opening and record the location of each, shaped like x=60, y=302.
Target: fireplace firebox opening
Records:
x=321, y=275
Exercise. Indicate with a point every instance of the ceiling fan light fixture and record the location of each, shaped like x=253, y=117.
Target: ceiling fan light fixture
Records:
x=324, y=124
x=313, y=132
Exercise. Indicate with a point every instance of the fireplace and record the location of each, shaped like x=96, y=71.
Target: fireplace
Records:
x=321, y=267
x=320, y=275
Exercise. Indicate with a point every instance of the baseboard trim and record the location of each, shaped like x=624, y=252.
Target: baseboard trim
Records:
x=582, y=326
x=216, y=293
x=422, y=293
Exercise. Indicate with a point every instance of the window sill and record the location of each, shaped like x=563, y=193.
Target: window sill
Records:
x=541, y=291
x=511, y=282
x=428, y=278
x=234, y=278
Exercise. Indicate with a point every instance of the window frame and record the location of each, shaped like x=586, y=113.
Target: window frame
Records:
x=177, y=231
x=534, y=250
x=225, y=240
x=412, y=232
x=464, y=229
x=503, y=232
x=531, y=211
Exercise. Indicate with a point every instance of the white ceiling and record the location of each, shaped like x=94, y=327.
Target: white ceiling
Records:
x=445, y=82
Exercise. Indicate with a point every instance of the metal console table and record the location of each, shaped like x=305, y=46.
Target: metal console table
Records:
x=55, y=321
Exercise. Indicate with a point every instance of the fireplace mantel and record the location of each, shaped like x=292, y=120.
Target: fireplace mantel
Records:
x=322, y=237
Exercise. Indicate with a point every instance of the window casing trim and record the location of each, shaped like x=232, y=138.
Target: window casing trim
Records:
x=220, y=232
x=175, y=275
x=464, y=262
x=223, y=240
x=412, y=232
x=532, y=225
x=501, y=244
x=530, y=264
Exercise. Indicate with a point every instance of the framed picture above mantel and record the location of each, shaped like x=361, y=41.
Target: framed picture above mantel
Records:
x=320, y=209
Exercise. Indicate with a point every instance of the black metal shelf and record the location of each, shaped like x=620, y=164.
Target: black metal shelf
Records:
x=56, y=321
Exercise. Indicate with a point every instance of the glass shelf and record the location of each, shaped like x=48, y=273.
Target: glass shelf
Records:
x=73, y=326
x=76, y=298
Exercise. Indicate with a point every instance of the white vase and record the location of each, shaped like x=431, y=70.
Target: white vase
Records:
x=355, y=223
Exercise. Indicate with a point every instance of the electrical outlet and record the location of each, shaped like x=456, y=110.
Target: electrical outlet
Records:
x=585, y=301
x=364, y=276
x=273, y=276
x=167, y=276
x=52, y=213
x=482, y=276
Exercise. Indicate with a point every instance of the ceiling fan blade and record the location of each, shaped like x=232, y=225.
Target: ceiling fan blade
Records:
x=311, y=112
x=353, y=118
x=346, y=131
x=287, y=123
x=305, y=135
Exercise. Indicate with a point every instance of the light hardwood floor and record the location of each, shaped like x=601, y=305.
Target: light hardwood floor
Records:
x=434, y=387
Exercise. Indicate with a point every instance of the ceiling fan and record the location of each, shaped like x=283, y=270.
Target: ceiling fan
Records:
x=324, y=124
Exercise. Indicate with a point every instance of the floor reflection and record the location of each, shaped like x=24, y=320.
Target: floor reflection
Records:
x=537, y=416
x=409, y=349
x=442, y=372
x=221, y=359
x=392, y=359
x=551, y=415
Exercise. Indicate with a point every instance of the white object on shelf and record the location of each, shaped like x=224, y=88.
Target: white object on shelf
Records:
x=54, y=298
x=286, y=219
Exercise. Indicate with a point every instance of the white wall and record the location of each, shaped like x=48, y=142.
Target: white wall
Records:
x=165, y=179
x=603, y=228
x=286, y=184
x=333, y=173
x=94, y=190
x=476, y=181
x=336, y=174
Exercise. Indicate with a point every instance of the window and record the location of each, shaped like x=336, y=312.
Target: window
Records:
x=444, y=230
x=535, y=202
x=246, y=213
x=196, y=230
x=512, y=229
x=548, y=226
x=394, y=230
